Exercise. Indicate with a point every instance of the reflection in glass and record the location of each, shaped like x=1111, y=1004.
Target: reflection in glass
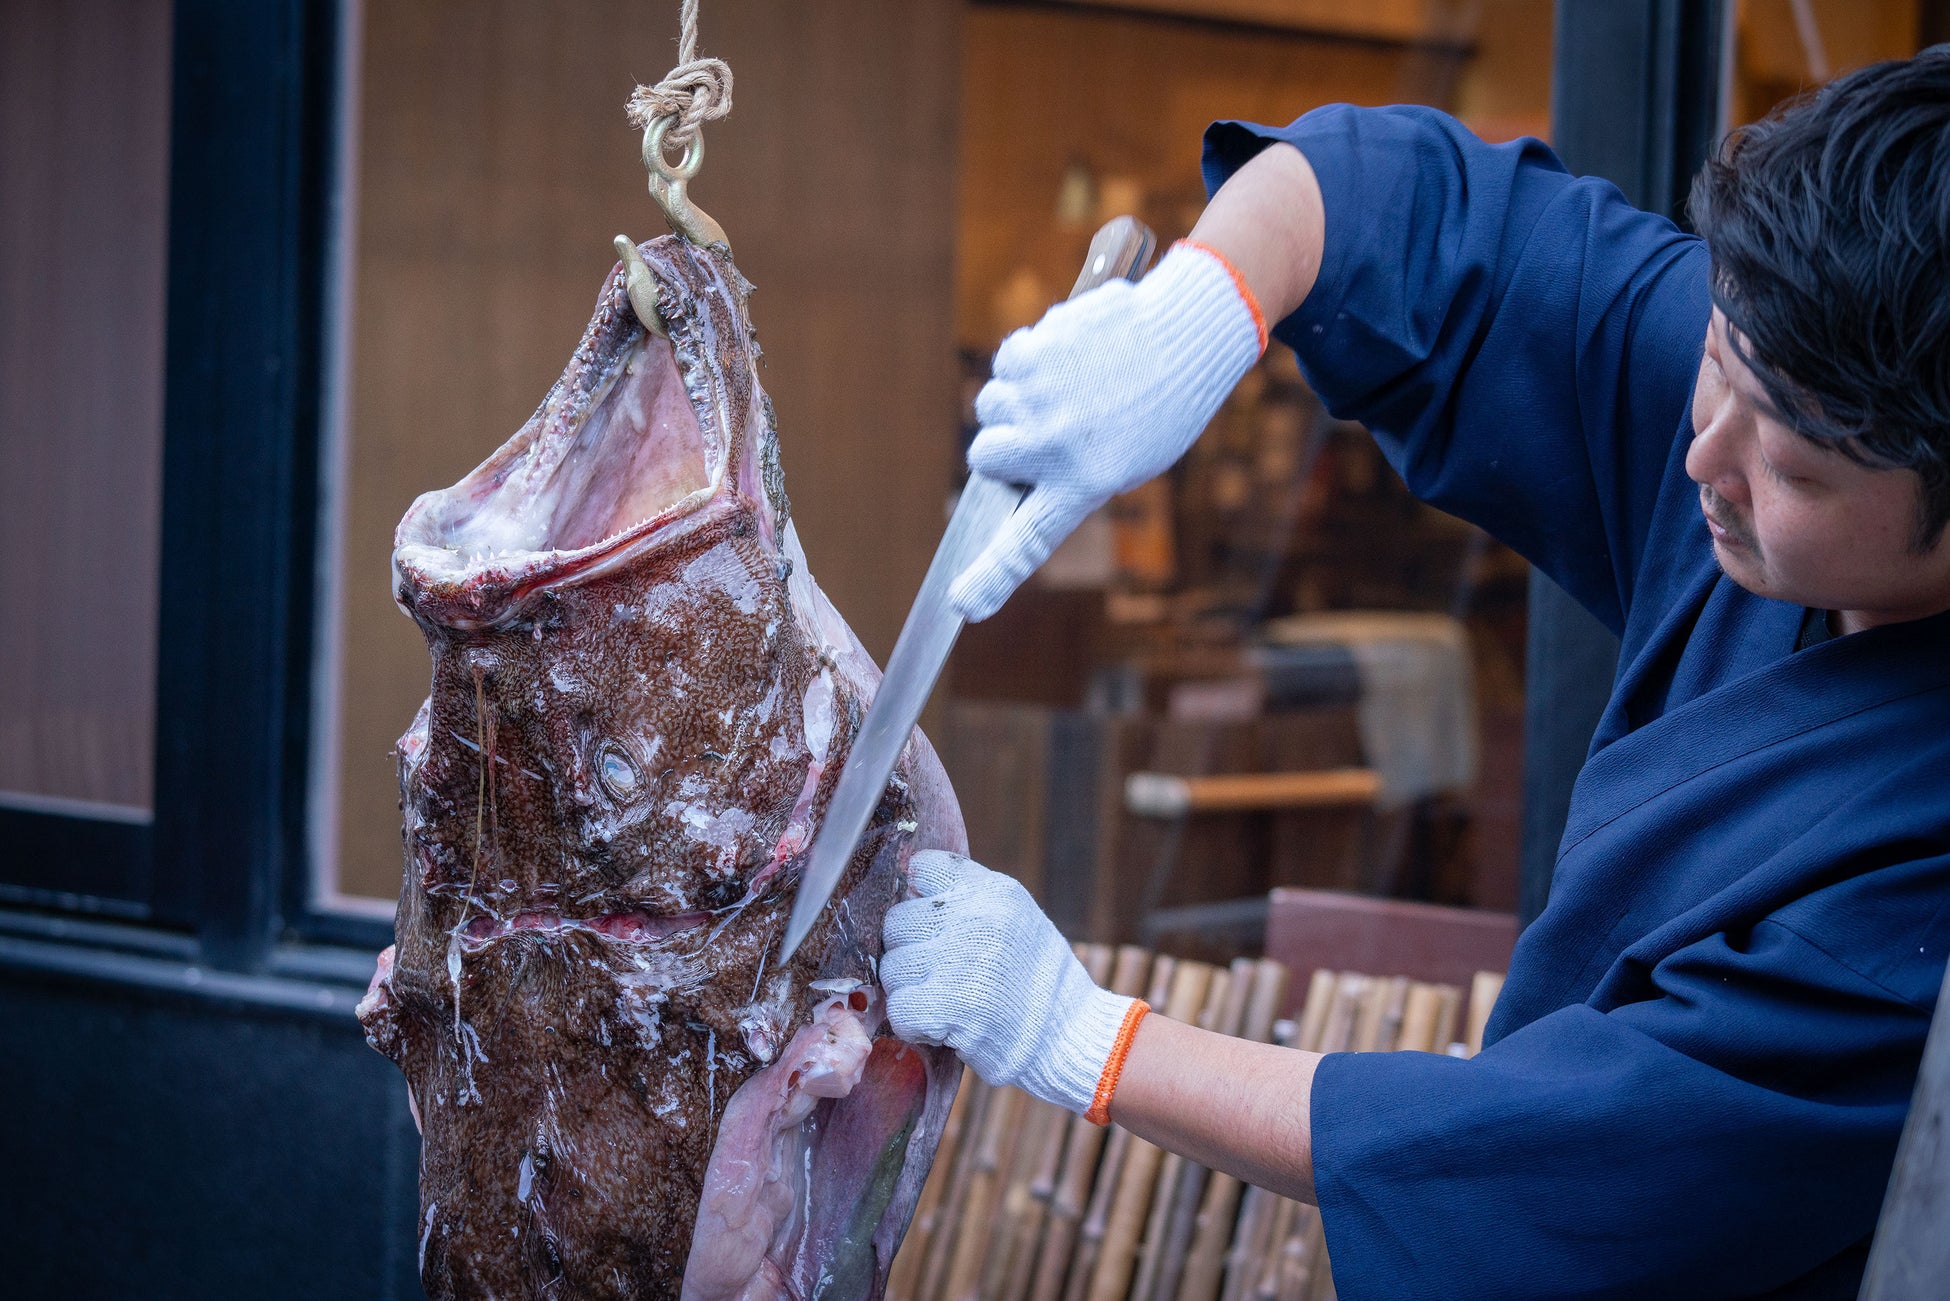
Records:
x=84, y=132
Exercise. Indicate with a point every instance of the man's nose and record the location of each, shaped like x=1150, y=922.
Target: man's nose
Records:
x=1713, y=459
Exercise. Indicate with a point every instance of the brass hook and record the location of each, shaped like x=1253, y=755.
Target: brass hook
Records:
x=668, y=185
x=641, y=286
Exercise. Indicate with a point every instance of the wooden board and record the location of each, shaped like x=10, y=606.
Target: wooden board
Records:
x=1311, y=929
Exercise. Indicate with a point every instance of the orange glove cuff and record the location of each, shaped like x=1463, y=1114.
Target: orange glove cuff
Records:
x=1239, y=283
x=1099, y=1113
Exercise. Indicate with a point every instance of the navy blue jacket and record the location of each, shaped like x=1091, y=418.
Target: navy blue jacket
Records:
x=1700, y=1064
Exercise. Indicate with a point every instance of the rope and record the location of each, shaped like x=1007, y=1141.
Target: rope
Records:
x=694, y=92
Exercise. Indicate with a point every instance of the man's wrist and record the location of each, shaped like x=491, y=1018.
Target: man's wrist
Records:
x=1076, y=1055
x=1099, y=1112
x=1203, y=332
x=1239, y=285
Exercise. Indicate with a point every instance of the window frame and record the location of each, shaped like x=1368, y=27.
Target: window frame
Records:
x=253, y=182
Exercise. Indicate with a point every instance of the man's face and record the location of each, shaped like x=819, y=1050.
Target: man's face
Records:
x=1796, y=521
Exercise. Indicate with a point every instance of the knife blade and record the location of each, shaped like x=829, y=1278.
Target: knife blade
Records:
x=1121, y=248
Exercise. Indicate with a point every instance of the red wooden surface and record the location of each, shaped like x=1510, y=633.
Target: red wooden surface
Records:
x=1309, y=929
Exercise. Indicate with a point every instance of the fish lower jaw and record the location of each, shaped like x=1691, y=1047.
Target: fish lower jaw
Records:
x=632, y=927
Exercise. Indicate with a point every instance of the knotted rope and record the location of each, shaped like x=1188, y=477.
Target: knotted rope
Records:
x=694, y=92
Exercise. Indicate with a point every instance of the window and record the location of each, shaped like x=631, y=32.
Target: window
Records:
x=162, y=212
x=84, y=115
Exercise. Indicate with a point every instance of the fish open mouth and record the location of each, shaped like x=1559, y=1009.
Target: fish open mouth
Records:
x=624, y=447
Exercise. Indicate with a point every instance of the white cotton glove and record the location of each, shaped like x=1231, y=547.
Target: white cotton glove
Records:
x=1102, y=394
x=974, y=964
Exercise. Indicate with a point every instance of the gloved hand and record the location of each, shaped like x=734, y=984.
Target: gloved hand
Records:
x=974, y=964
x=1102, y=394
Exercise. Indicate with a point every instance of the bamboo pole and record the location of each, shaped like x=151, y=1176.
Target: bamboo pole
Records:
x=1322, y=1288
x=910, y=1261
x=1001, y=1127
x=1298, y=1265
x=948, y=1224
x=1388, y=1038
x=1032, y=1182
x=1131, y=1207
x=1150, y=1259
x=1482, y=997
x=1082, y=1149
x=1313, y=1014
x=1266, y=1268
x=1371, y=1019
x=1213, y=1228
x=1418, y=1018
x=1337, y=1030
x=1110, y=1175
x=1448, y=1009
x=1318, y=1284
x=1265, y=1221
x=1300, y=1262
x=1184, y=1192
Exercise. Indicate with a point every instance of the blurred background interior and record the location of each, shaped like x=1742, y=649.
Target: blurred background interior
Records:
x=1269, y=668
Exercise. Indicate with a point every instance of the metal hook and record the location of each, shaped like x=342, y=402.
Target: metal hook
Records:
x=668, y=185
x=641, y=286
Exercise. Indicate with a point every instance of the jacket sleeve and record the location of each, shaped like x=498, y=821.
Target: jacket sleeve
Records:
x=1728, y=1134
x=1523, y=344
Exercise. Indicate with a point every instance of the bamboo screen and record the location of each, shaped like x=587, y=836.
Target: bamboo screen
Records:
x=1030, y=1203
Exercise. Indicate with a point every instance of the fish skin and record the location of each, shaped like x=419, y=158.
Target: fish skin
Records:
x=627, y=744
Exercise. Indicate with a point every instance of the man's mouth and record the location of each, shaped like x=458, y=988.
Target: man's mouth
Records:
x=1725, y=532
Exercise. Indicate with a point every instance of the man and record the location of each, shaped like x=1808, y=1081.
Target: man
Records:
x=1735, y=452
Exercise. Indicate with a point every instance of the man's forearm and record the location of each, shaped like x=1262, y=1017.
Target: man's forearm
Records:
x=1227, y=1103
x=1268, y=221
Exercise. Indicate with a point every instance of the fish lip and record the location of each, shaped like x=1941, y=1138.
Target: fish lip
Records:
x=630, y=927
x=497, y=592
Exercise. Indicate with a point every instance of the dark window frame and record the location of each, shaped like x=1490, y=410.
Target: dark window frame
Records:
x=225, y=856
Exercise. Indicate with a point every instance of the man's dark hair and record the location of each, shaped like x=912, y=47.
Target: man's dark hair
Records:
x=1829, y=226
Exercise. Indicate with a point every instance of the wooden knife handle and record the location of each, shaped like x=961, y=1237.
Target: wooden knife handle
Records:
x=1121, y=247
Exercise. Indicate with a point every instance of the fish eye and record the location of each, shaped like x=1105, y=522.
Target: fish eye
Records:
x=616, y=771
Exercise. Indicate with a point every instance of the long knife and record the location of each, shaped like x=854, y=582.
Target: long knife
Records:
x=1122, y=248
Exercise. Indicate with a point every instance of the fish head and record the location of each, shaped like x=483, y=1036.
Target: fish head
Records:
x=620, y=690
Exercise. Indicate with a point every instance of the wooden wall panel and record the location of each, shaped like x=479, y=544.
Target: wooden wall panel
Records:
x=1130, y=96
x=84, y=180
x=494, y=165
x=1773, y=62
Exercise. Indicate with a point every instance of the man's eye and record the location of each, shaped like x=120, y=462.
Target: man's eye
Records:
x=1774, y=473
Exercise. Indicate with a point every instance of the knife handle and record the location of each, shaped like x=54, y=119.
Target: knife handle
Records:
x=1122, y=246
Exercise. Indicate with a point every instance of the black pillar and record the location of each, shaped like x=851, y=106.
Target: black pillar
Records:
x=1635, y=99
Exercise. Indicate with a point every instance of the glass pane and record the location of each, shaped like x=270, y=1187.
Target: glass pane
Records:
x=1277, y=605
x=431, y=384
x=84, y=132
